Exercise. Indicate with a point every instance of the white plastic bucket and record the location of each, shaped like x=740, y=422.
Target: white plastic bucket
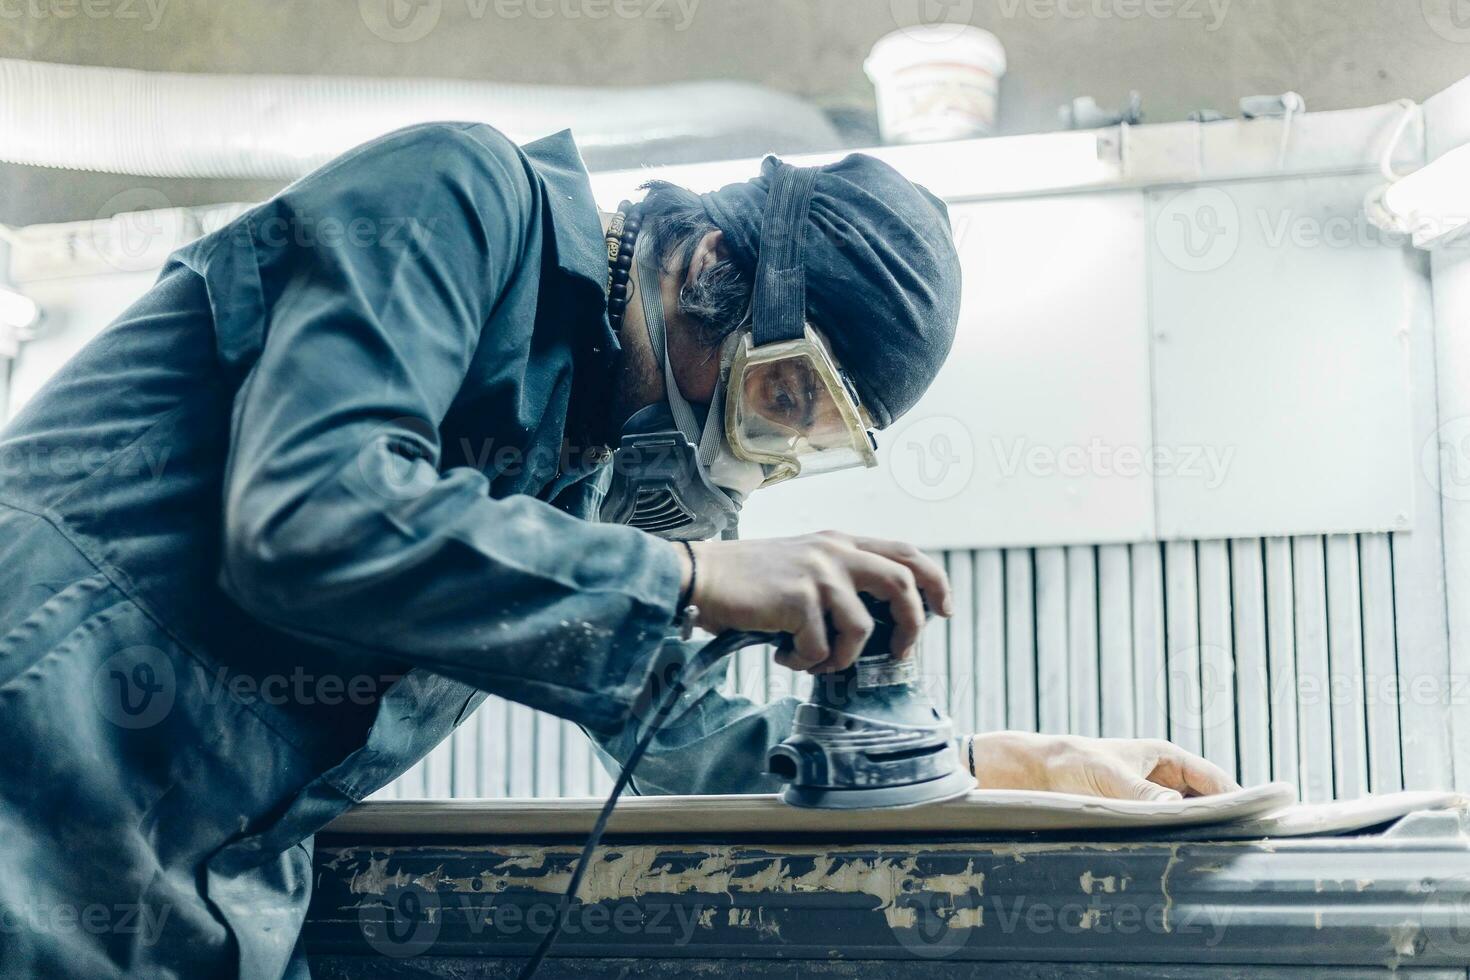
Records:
x=936, y=82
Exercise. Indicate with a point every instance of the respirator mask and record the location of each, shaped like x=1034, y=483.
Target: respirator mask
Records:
x=781, y=409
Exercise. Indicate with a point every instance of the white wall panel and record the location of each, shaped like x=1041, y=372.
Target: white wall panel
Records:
x=1286, y=744
x=1150, y=675
x=960, y=641
x=1380, y=665
x=1083, y=684
x=1181, y=632
x=1116, y=680
x=1348, y=690
x=1218, y=723
x=1280, y=361
x=990, y=640
x=1252, y=679
x=1429, y=712
x=1447, y=120
x=1313, y=675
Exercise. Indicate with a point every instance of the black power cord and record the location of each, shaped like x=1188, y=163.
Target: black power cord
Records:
x=708, y=656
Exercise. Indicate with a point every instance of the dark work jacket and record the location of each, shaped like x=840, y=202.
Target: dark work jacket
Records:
x=270, y=536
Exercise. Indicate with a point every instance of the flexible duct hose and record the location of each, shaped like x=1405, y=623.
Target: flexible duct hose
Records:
x=168, y=124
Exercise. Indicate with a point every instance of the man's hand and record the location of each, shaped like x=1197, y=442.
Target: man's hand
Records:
x=1120, y=768
x=808, y=587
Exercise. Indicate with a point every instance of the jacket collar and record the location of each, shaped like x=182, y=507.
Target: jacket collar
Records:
x=581, y=250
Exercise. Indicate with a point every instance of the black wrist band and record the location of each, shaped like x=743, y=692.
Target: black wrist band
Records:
x=972, y=759
x=687, y=595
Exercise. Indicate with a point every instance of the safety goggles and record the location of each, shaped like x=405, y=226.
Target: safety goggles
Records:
x=789, y=407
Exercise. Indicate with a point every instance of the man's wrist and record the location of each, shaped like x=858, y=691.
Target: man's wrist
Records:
x=686, y=612
x=686, y=566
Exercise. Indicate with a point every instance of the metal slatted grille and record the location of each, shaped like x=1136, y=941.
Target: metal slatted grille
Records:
x=1278, y=658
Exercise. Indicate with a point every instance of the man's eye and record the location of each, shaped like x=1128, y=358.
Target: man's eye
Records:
x=784, y=404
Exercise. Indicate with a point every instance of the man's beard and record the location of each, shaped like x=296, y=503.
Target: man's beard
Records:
x=637, y=383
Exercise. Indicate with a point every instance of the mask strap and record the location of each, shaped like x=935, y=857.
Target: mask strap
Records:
x=709, y=439
x=779, y=299
x=713, y=439
x=653, y=319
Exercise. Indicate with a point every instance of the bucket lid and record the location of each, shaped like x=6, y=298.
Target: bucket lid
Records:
x=936, y=42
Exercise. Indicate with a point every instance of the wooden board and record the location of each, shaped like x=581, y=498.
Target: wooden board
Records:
x=982, y=811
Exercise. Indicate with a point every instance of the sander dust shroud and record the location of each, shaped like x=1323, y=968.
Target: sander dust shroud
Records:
x=867, y=738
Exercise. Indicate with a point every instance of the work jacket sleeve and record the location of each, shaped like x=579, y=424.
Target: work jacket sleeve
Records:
x=340, y=526
x=714, y=742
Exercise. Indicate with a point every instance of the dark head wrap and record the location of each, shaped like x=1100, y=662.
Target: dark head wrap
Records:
x=882, y=277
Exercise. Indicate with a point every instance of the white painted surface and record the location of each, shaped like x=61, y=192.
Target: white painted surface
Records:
x=1280, y=361
x=1427, y=711
x=1448, y=119
x=1252, y=679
